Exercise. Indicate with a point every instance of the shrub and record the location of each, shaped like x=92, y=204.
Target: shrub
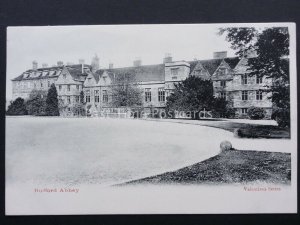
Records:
x=282, y=117
x=17, y=107
x=255, y=113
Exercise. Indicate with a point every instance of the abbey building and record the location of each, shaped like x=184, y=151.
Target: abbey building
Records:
x=228, y=74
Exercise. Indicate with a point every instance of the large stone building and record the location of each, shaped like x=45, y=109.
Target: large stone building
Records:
x=229, y=75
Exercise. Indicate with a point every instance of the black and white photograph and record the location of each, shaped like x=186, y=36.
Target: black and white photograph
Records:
x=151, y=119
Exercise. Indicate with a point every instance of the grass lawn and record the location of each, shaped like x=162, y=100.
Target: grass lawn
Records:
x=246, y=130
x=232, y=166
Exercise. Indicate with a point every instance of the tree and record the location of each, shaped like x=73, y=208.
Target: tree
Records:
x=272, y=49
x=191, y=96
x=36, y=104
x=52, y=102
x=17, y=107
x=126, y=92
x=222, y=108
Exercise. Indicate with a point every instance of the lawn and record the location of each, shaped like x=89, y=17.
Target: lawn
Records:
x=41, y=150
x=246, y=130
x=232, y=166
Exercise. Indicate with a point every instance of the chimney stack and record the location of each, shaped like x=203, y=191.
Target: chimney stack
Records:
x=220, y=55
x=168, y=58
x=81, y=61
x=111, y=66
x=60, y=63
x=34, y=65
x=44, y=65
x=137, y=62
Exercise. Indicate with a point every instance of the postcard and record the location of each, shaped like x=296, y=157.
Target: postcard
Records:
x=151, y=119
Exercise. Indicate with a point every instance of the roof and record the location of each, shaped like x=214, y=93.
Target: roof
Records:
x=142, y=73
x=212, y=64
x=54, y=71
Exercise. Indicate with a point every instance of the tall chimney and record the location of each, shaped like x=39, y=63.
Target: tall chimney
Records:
x=34, y=65
x=168, y=58
x=81, y=61
x=220, y=55
x=44, y=65
x=60, y=63
x=137, y=62
x=111, y=66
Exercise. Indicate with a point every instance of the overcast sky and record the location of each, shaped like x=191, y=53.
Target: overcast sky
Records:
x=117, y=44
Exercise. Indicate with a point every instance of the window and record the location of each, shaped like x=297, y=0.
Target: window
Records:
x=97, y=98
x=148, y=95
x=41, y=84
x=258, y=95
x=87, y=96
x=69, y=87
x=69, y=109
x=174, y=71
x=244, y=95
x=105, y=96
x=174, y=78
x=244, y=110
x=34, y=84
x=223, y=95
x=222, y=71
x=77, y=99
x=59, y=87
x=49, y=84
x=223, y=83
x=161, y=94
x=244, y=79
x=68, y=99
x=258, y=80
x=64, y=76
x=77, y=87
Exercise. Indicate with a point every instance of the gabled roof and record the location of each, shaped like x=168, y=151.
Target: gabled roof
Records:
x=54, y=71
x=142, y=73
x=212, y=64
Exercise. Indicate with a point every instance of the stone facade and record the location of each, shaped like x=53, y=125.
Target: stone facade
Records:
x=229, y=75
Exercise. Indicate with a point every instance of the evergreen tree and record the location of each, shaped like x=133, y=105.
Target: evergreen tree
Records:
x=36, y=104
x=191, y=95
x=52, y=102
x=17, y=107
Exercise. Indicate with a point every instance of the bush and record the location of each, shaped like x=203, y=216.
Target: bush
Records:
x=282, y=117
x=255, y=113
x=17, y=107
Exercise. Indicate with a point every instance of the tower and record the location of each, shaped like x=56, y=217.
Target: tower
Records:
x=95, y=63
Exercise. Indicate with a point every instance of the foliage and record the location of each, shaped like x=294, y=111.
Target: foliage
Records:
x=126, y=92
x=36, y=104
x=271, y=46
x=282, y=117
x=52, y=102
x=78, y=109
x=256, y=113
x=17, y=107
x=222, y=108
x=191, y=95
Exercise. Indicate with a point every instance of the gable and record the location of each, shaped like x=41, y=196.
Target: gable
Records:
x=242, y=66
x=223, y=71
x=90, y=80
x=105, y=79
x=200, y=71
x=65, y=77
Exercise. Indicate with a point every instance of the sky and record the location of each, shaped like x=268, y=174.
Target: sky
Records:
x=117, y=44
